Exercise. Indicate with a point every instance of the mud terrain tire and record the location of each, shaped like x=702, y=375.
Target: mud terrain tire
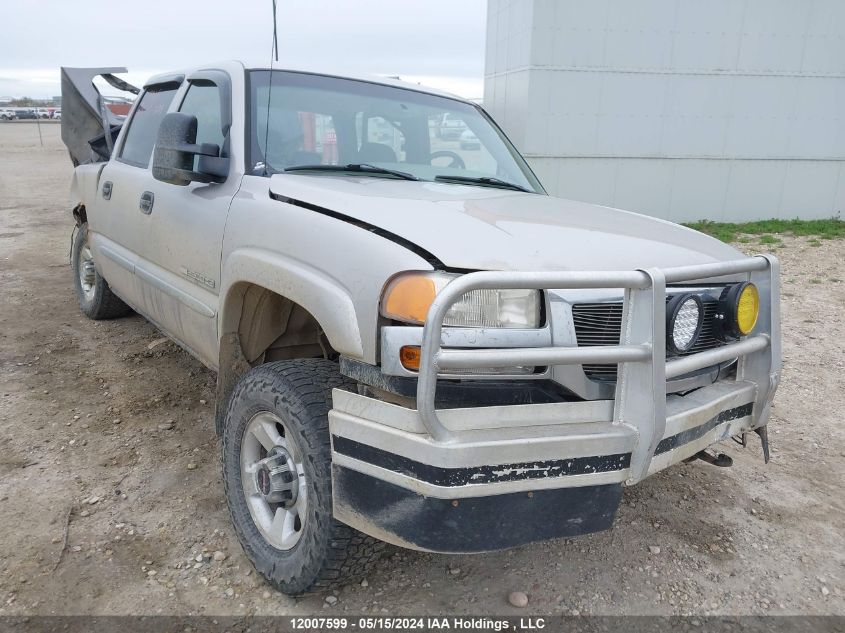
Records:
x=327, y=553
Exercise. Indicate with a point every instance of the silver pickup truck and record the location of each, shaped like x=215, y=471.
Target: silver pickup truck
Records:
x=414, y=344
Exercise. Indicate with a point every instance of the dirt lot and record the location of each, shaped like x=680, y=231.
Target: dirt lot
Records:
x=107, y=429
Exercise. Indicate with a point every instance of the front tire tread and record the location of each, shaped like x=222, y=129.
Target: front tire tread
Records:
x=337, y=553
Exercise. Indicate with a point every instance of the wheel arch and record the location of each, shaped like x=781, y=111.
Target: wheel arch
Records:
x=274, y=308
x=80, y=214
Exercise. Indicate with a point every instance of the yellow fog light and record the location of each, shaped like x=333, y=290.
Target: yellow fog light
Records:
x=743, y=308
x=747, y=309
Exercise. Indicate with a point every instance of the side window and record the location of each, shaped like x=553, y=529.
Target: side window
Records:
x=379, y=140
x=296, y=137
x=318, y=142
x=143, y=128
x=203, y=101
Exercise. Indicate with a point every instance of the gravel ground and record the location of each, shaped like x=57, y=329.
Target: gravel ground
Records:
x=107, y=441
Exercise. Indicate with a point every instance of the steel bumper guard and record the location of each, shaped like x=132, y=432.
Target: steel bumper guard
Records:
x=466, y=480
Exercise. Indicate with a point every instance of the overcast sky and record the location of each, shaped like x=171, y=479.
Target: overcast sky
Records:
x=436, y=42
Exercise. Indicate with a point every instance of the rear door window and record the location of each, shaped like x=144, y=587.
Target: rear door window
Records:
x=143, y=128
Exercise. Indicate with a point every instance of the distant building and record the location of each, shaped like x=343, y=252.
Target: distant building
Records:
x=682, y=109
x=118, y=105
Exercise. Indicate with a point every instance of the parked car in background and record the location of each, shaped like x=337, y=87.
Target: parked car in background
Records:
x=25, y=113
x=469, y=140
x=440, y=356
x=451, y=127
x=7, y=115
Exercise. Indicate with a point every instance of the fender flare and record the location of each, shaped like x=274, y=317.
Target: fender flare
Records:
x=328, y=301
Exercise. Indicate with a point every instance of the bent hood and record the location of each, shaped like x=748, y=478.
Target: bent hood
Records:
x=478, y=228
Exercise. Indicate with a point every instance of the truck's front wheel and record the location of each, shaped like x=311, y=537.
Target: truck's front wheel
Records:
x=277, y=477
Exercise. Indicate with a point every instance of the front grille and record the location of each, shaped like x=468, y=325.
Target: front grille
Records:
x=601, y=324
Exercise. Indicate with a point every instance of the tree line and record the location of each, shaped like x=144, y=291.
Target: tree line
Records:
x=30, y=102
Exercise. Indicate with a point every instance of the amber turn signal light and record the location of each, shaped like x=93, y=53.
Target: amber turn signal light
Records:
x=408, y=298
x=410, y=356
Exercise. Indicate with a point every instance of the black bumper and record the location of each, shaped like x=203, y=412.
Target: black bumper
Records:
x=475, y=524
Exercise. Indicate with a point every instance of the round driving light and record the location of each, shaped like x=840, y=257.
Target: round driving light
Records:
x=742, y=307
x=683, y=322
x=747, y=309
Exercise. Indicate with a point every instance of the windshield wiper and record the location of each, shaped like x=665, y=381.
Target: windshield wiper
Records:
x=487, y=181
x=362, y=168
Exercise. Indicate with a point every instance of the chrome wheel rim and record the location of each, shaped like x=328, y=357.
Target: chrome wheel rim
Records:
x=273, y=480
x=87, y=272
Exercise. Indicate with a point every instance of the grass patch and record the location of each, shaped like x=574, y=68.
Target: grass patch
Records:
x=769, y=239
x=727, y=232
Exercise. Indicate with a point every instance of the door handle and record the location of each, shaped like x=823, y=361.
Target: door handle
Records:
x=147, y=199
x=107, y=187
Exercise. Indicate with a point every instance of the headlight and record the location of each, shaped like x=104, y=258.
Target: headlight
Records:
x=408, y=297
x=741, y=305
x=683, y=322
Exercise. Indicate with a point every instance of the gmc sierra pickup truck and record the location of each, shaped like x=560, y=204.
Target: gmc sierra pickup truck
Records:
x=413, y=343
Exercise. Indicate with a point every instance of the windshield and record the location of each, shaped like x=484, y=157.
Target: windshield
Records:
x=317, y=120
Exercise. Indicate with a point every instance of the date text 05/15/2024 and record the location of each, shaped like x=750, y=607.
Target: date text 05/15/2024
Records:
x=432, y=623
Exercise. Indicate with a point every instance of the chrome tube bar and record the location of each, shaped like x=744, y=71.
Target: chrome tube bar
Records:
x=703, y=271
x=686, y=364
x=487, y=358
x=640, y=401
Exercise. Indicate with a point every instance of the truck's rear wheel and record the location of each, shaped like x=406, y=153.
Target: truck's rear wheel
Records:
x=277, y=477
x=95, y=297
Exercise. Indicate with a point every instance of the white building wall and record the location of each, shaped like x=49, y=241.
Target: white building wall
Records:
x=728, y=110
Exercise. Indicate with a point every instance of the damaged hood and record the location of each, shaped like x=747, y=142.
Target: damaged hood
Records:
x=85, y=116
x=479, y=228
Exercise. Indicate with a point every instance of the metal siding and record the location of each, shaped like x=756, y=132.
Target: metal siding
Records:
x=698, y=188
x=729, y=109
